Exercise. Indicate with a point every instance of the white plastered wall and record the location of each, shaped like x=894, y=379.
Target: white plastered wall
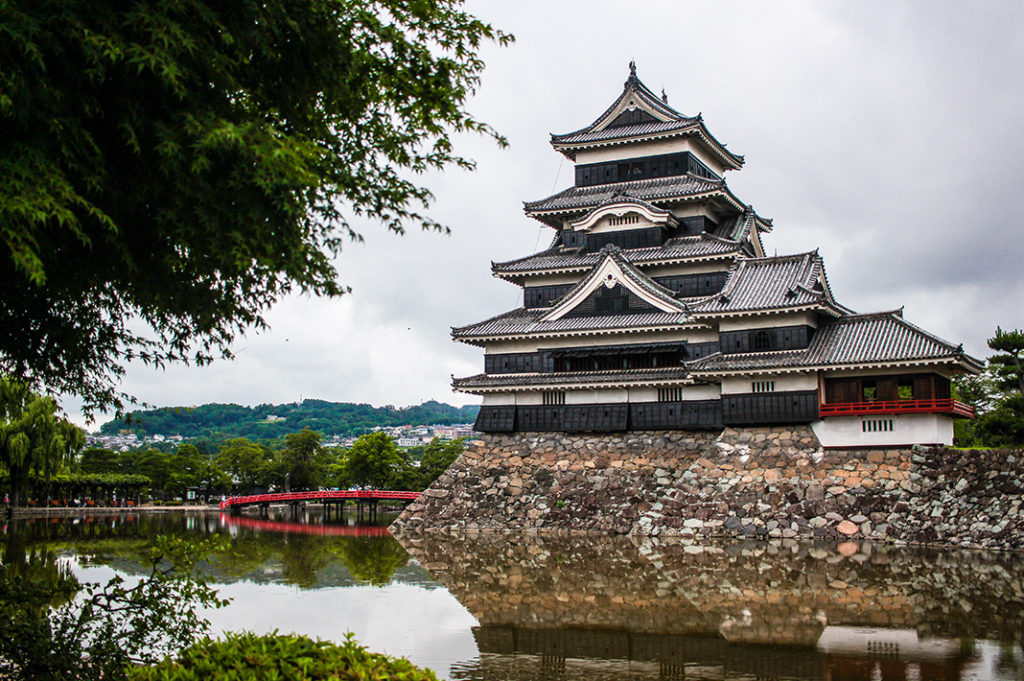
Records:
x=499, y=399
x=733, y=385
x=555, y=279
x=604, y=224
x=907, y=429
x=767, y=321
x=597, y=396
x=675, y=269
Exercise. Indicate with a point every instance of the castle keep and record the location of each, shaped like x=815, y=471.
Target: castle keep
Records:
x=655, y=308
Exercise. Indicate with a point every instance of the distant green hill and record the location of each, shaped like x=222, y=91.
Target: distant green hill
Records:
x=271, y=421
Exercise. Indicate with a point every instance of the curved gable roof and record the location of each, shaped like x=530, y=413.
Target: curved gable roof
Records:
x=614, y=269
x=654, y=117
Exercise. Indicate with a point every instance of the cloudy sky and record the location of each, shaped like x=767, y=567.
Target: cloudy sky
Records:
x=888, y=134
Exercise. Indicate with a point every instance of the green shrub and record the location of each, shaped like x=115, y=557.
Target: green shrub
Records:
x=249, y=657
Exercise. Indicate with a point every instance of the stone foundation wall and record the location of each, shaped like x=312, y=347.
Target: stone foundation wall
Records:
x=754, y=482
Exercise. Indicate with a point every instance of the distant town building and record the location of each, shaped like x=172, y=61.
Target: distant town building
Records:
x=656, y=307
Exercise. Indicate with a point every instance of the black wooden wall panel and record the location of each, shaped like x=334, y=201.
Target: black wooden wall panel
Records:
x=495, y=419
x=615, y=300
x=530, y=418
x=675, y=415
x=766, y=339
x=517, y=363
x=595, y=418
x=690, y=285
x=641, y=168
x=798, y=406
x=698, y=350
x=543, y=296
x=628, y=238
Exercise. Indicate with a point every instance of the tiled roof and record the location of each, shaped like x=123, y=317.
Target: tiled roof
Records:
x=620, y=131
x=770, y=283
x=602, y=130
x=528, y=321
x=651, y=190
x=569, y=378
x=633, y=87
x=852, y=339
x=561, y=257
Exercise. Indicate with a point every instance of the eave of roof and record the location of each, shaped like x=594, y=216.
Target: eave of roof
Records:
x=572, y=143
x=486, y=383
x=563, y=260
x=523, y=323
x=659, y=191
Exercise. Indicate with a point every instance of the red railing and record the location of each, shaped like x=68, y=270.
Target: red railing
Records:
x=320, y=495
x=306, y=528
x=933, y=406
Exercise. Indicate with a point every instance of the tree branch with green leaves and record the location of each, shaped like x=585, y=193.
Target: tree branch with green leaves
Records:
x=188, y=164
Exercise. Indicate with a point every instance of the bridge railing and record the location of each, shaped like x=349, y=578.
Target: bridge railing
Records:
x=320, y=495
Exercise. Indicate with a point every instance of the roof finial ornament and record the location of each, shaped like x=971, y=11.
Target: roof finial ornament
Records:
x=664, y=96
x=632, y=73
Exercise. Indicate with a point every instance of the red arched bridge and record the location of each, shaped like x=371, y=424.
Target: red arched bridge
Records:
x=327, y=496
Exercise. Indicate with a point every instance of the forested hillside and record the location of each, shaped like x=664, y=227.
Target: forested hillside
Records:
x=270, y=421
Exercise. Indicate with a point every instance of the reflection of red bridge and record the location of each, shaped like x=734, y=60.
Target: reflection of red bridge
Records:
x=305, y=528
x=358, y=495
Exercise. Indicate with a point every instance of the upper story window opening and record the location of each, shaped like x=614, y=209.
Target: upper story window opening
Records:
x=630, y=219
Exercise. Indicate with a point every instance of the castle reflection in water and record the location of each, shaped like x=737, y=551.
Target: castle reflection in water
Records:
x=586, y=607
x=599, y=608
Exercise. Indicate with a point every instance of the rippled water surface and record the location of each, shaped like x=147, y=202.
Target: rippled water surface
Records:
x=527, y=607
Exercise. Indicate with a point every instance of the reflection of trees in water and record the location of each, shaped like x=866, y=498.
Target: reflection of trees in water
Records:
x=27, y=568
x=302, y=557
x=372, y=559
x=306, y=561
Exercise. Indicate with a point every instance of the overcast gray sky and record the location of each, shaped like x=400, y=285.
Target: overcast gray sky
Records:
x=887, y=134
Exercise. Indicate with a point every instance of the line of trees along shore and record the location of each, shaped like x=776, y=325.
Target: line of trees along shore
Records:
x=237, y=466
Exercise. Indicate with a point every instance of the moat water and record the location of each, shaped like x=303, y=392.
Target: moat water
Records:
x=584, y=607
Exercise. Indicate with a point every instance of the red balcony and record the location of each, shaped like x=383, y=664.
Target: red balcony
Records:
x=933, y=406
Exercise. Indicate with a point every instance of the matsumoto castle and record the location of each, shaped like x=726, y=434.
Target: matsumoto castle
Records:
x=656, y=308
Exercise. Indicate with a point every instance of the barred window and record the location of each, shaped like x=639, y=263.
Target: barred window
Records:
x=763, y=386
x=670, y=394
x=553, y=397
x=877, y=425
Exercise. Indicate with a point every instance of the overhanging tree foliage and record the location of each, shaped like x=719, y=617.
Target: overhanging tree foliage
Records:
x=189, y=163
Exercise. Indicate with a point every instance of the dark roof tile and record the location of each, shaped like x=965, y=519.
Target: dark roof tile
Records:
x=883, y=337
x=770, y=283
x=651, y=190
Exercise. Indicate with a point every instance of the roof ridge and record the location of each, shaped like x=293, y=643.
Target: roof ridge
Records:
x=634, y=83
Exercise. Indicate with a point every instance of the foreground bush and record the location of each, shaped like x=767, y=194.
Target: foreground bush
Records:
x=249, y=657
